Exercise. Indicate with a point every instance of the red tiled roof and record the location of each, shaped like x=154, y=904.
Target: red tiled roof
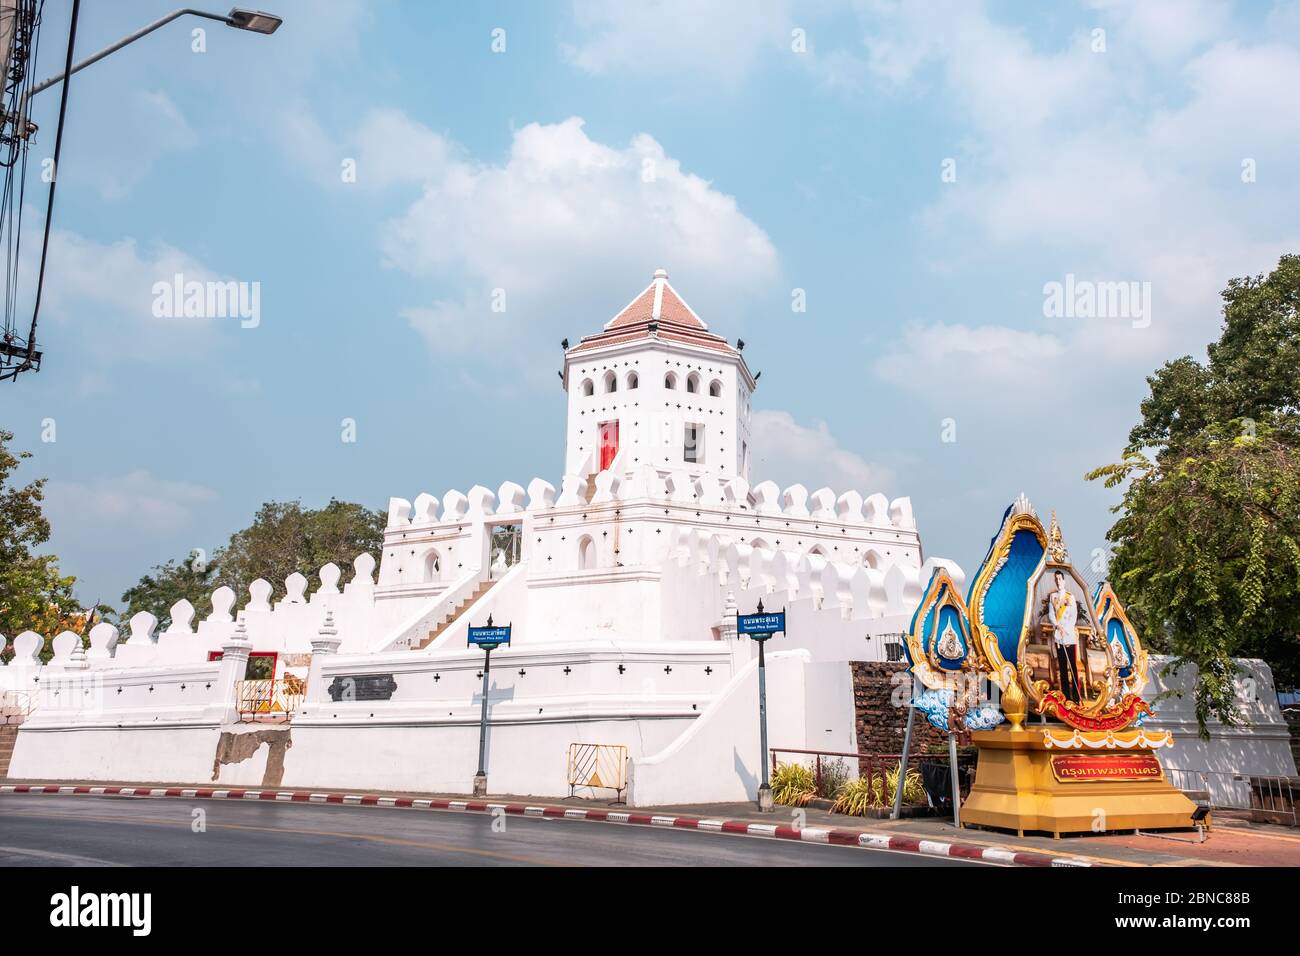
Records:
x=671, y=307
x=657, y=312
x=640, y=309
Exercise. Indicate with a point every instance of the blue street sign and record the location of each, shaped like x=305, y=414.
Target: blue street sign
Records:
x=493, y=636
x=760, y=626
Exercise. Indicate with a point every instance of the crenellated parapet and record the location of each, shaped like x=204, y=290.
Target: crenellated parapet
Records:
x=857, y=591
x=274, y=627
x=617, y=485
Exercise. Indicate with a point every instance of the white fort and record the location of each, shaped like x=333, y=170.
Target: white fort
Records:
x=621, y=586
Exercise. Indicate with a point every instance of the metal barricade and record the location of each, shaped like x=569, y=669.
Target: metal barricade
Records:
x=269, y=698
x=598, y=767
x=1267, y=798
x=16, y=705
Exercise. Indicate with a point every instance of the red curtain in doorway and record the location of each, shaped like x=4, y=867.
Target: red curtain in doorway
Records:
x=608, y=443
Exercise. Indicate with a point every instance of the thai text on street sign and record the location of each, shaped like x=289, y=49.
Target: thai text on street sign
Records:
x=489, y=636
x=760, y=626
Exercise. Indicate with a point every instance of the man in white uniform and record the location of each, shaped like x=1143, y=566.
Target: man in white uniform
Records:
x=1062, y=613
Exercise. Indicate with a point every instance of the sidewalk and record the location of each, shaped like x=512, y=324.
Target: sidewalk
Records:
x=1231, y=843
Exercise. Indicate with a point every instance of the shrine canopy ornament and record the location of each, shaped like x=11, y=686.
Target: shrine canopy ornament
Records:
x=940, y=646
x=942, y=652
x=1030, y=625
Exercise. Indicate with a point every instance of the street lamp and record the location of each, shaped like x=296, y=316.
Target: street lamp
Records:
x=253, y=20
x=16, y=128
x=240, y=18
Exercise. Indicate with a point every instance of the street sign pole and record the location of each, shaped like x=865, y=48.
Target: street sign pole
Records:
x=480, y=778
x=489, y=638
x=765, y=790
x=760, y=627
x=956, y=787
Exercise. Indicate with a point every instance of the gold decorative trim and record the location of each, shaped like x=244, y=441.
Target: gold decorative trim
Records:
x=1020, y=520
x=1107, y=740
x=925, y=663
x=1140, y=660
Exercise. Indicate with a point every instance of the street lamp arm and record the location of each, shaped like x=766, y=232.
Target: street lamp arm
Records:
x=114, y=47
x=131, y=38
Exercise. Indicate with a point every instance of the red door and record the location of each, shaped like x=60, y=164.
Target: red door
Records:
x=608, y=443
x=261, y=664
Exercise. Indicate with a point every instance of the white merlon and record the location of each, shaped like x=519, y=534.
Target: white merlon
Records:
x=399, y=512
x=541, y=495
x=510, y=498
x=426, y=509
x=455, y=507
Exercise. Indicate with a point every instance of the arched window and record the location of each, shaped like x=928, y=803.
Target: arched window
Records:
x=632, y=380
x=818, y=550
x=586, y=553
x=611, y=382
x=587, y=387
x=670, y=380
x=715, y=389
x=432, y=566
x=871, y=560
x=692, y=383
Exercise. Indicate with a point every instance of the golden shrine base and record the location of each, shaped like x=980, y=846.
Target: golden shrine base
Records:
x=1057, y=780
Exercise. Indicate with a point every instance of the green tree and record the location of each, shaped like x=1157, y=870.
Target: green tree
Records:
x=168, y=583
x=283, y=538
x=1207, y=547
x=33, y=594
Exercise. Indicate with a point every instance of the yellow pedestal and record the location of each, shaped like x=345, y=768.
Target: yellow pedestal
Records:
x=1104, y=782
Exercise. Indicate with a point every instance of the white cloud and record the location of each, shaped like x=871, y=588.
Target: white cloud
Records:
x=117, y=275
x=104, y=291
x=1163, y=29
x=568, y=229
x=136, y=501
x=97, y=312
x=939, y=357
x=992, y=74
x=396, y=149
x=789, y=453
x=721, y=39
x=1079, y=158
x=120, y=161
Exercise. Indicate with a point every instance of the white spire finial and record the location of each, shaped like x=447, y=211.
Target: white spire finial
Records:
x=661, y=273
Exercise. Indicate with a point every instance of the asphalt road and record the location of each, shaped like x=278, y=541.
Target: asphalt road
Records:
x=127, y=831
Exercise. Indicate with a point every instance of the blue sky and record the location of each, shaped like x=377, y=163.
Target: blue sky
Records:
x=777, y=165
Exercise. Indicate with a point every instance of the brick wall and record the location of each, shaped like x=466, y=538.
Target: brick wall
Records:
x=880, y=720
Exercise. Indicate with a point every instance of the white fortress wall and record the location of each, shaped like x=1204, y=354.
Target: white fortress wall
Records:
x=1259, y=745
x=622, y=608
x=719, y=758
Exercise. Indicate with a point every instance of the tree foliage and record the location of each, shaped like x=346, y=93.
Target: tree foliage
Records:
x=157, y=592
x=1207, y=548
x=34, y=595
x=284, y=538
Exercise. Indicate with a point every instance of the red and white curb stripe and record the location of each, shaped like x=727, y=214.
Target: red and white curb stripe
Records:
x=833, y=837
